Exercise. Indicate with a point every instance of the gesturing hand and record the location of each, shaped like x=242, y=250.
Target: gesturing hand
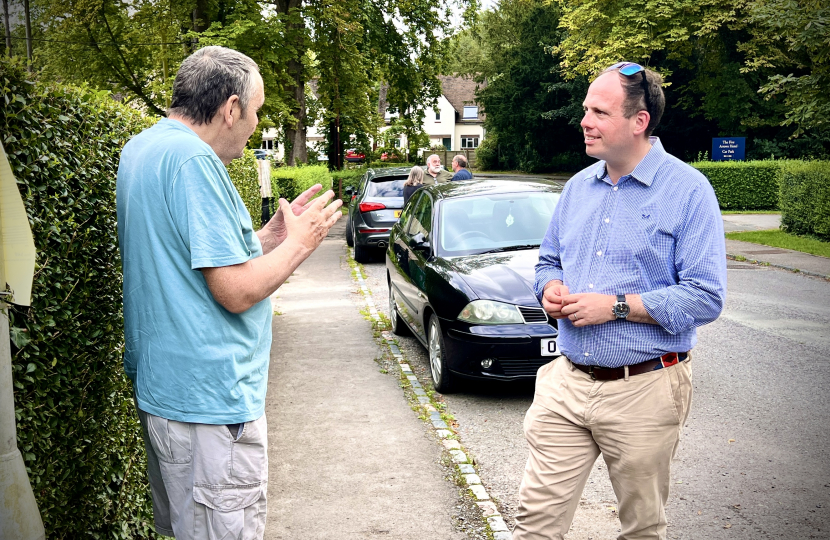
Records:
x=311, y=224
x=276, y=225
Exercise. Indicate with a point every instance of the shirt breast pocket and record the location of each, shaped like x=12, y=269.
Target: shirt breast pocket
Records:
x=643, y=253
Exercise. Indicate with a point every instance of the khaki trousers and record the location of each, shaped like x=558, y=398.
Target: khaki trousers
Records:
x=636, y=425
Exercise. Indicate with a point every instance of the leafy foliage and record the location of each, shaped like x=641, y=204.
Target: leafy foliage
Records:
x=76, y=423
x=289, y=182
x=754, y=68
x=805, y=198
x=743, y=185
x=244, y=175
x=532, y=113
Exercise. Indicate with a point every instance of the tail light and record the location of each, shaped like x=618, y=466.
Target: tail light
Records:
x=369, y=206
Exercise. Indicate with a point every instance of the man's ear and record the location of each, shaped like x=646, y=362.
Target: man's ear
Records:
x=231, y=110
x=641, y=124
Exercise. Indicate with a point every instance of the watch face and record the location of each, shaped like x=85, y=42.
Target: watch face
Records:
x=621, y=310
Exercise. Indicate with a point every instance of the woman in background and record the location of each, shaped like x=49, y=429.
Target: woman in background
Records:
x=413, y=183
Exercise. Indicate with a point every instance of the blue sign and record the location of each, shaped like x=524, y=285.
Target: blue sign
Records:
x=728, y=148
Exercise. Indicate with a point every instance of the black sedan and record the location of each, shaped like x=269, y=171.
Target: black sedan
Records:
x=460, y=270
x=374, y=207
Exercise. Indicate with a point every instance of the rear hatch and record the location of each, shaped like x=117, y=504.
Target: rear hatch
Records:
x=381, y=206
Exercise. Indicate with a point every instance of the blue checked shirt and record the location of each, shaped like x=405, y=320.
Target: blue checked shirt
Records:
x=659, y=233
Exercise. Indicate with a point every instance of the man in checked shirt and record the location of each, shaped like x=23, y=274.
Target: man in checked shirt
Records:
x=633, y=261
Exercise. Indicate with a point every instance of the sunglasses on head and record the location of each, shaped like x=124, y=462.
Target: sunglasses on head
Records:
x=629, y=69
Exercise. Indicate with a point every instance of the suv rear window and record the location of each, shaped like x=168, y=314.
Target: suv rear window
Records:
x=388, y=186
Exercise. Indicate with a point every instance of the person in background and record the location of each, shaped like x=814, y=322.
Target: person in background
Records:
x=633, y=261
x=436, y=174
x=459, y=166
x=413, y=183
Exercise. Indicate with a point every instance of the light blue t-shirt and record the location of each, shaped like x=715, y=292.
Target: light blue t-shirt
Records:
x=189, y=358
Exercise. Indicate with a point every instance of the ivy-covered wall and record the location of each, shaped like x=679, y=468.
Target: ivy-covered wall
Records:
x=76, y=423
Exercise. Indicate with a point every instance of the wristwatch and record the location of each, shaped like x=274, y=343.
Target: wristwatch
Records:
x=621, y=309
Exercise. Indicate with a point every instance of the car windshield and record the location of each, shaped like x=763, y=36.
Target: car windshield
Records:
x=389, y=186
x=494, y=223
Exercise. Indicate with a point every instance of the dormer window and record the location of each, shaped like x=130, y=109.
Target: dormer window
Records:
x=437, y=116
x=470, y=112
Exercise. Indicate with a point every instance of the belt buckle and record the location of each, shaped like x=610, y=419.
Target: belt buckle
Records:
x=591, y=372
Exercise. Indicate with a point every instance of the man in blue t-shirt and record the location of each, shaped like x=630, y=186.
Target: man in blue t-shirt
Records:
x=197, y=312
x=459, y=167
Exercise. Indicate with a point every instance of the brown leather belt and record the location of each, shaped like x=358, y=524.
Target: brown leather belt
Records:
x=612, y=374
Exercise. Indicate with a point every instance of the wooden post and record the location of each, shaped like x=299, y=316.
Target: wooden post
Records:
x=340, y=188
x=7, y=27
x=28, y=22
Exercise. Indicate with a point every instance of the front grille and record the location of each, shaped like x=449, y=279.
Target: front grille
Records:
x=533, y=315
x=521, y=367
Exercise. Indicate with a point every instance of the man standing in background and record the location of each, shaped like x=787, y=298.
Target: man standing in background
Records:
x=435, y=173
x=633, y=261
x=197, y=312
x=459, y=167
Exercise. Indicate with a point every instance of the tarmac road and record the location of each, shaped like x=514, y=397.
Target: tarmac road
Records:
x=754, y=460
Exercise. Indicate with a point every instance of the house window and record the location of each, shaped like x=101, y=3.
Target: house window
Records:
x=447, y=142
x=469, y=142
x=470, y=112
x=396, y=143
x=438, y=116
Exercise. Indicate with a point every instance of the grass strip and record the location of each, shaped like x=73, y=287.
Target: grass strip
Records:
x=781, y=239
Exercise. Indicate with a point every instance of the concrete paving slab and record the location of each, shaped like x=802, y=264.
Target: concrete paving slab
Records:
x=750, y=222
x=348, y=459
x=786, y=259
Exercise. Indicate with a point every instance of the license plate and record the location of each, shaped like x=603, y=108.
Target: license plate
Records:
x=397, y=213
x=549, y=347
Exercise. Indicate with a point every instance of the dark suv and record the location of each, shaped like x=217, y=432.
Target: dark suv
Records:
x=374, y=208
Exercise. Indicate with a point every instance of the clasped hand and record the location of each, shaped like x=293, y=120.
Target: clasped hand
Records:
x=582, y=309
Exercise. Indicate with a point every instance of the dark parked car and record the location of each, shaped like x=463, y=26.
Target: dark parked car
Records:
x=374, y=207
x=460, y=269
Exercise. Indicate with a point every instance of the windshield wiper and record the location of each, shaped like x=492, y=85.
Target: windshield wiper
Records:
x=510, y=248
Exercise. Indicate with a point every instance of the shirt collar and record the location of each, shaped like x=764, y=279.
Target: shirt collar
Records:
x=645, y=171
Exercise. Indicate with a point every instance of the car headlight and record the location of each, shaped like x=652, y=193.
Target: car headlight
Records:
x=490, y=312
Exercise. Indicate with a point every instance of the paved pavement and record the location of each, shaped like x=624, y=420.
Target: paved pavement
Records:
x=349, y=459
x=781, y=258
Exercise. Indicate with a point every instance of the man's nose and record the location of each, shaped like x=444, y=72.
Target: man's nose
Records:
x=585, y=121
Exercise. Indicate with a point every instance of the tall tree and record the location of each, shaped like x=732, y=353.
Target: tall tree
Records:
x=530, y=110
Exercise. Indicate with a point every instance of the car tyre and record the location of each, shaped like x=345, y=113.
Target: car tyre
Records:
x=399, y=327
x=349, y=234
x=442, y=379
x=361, y=253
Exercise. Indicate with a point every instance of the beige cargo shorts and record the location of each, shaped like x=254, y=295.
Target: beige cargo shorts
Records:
x=206, y=482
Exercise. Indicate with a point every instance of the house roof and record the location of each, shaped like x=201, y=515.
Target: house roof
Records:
x=460, y=91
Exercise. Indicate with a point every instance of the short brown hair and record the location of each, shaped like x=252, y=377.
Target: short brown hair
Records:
x=635, y=96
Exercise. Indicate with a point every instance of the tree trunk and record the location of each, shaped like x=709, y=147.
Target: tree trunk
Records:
x=295, y=133
x=28, y=22
x=8, y=28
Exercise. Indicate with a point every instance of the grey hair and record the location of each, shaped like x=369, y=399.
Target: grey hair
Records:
x=433, y=156
x=461, y=160
x=416, y=177
x=207, y=78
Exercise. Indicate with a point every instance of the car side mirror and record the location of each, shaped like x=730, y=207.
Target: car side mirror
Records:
x=349, y=191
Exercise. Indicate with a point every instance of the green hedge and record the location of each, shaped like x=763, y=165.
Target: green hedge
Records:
x=805, y=198
x=743, y=185
x=243, y=173
x=76, y=423
x=289, y=182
